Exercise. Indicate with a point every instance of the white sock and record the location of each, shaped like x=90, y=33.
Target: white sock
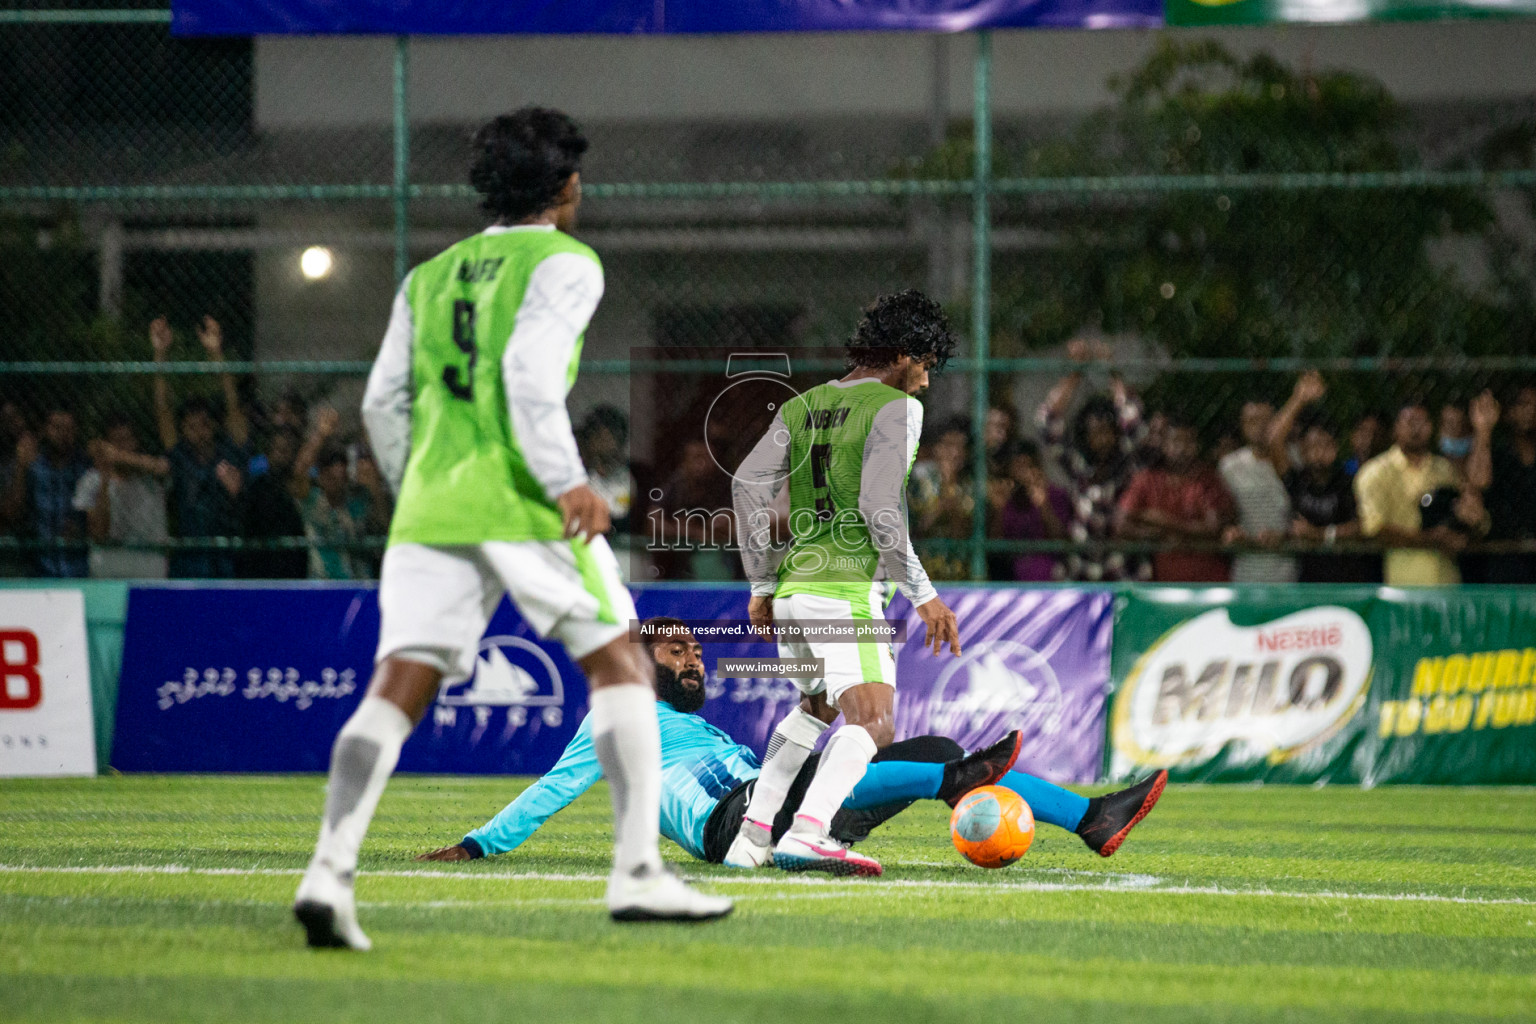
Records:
x=362, y=759
x=628, y=746
x=788, y=748
x=842, y=765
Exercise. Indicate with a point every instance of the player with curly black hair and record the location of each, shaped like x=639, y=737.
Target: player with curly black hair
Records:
x=466, y=411
x=845, y=447
x=524, y=162
x=906, y=323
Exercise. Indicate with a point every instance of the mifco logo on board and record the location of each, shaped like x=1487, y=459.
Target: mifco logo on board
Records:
x=1271, y=690
x=21, y=685
x=512, y=673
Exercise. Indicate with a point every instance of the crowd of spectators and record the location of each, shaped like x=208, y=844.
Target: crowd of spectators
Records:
x=1277, y=498
x=228, y=489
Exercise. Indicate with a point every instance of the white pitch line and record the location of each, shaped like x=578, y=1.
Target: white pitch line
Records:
x=1136, y=884
x=1114, y=881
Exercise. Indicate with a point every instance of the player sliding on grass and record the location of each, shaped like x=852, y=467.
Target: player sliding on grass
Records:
x=845, y=447
x=708, y=779
x=466, y=411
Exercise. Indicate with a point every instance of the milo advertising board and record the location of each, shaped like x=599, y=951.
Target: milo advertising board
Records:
x=1340, y=684
x=1212, y=686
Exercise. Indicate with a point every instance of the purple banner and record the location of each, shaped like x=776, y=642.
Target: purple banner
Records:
x=1035, y=660
x=529, y=17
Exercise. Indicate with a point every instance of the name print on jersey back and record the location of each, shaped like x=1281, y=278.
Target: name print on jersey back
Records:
x=478, y=271
x=825, y=419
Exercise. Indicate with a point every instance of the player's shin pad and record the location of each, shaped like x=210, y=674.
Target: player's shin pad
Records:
x=843, y=764
x=628, y=744
x=362, y=760
x=788, y=748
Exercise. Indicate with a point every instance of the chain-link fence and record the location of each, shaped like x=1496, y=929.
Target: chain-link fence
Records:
x=1128, y=285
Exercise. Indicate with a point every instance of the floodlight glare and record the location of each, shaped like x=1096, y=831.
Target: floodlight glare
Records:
x=316, y=262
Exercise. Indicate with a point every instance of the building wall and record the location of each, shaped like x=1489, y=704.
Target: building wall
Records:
x=868, y=94
x=311, y=81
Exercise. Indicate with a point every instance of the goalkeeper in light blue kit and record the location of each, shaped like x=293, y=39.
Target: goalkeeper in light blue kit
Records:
x=708, y=778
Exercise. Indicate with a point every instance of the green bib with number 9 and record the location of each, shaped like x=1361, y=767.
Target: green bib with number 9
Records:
x=467, y=480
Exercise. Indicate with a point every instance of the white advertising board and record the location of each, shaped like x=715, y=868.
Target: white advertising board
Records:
x=46, y=727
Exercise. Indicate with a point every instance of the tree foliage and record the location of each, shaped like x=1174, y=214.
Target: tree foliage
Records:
x=1271, y=271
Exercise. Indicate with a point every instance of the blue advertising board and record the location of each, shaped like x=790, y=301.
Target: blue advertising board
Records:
x=525, y=17
x=220, y=679
x=232, y=679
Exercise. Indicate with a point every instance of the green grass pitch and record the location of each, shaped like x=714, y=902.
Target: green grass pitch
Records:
x=166, y=899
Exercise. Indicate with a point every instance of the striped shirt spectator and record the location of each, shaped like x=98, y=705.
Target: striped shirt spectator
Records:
x=1263, y=514
x=1098, y=455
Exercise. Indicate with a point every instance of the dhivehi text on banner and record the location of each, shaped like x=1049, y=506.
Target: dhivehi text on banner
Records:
x=529, y=17
x=232, y=679
x=1367, y=685
x=46, y=725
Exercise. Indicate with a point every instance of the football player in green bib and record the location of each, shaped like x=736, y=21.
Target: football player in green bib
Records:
x=465, y=408
x=845, y=447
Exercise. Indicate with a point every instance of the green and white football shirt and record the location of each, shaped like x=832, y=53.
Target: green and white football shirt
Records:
x=466, y=403
x=845, y=449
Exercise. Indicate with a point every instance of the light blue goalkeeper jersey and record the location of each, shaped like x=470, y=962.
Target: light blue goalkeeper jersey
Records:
x=699, y=766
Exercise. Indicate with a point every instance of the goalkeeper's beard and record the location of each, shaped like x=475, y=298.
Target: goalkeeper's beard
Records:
x=670, y=688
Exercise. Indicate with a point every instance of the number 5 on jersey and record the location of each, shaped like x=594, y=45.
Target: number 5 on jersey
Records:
x=463, y=387
x=821, y=458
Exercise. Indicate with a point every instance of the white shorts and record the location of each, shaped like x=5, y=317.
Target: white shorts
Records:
x=846, y=665
x=437, y=601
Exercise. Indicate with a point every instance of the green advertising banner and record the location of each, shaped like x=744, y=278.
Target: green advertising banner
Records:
x=1331, y=12
x=1455, y=694
x=1325, y=684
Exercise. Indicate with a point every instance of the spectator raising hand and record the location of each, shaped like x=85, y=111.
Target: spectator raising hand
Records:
x=1309, y=390
x=211, y=336
x=124, y=500
x=230, y=476
x=160, y=341
x=335, y=514
x=1096, y=449
x=1506, y=472
x=206, y=479
x=1252, y=475
x=1484, y=414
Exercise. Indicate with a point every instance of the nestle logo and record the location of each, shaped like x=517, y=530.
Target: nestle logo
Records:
x=1301, y=638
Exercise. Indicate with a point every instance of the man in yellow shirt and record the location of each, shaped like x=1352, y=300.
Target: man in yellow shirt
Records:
x=1389, y=491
